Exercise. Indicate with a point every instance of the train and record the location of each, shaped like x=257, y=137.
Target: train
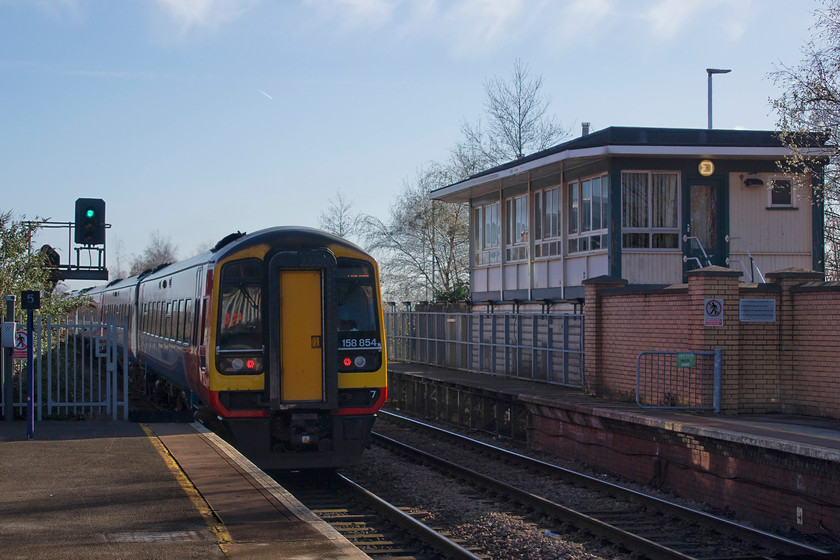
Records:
x=276, y=336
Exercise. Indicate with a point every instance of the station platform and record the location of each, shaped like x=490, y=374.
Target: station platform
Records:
x=801, y=435
x=778, y=470
x=91, y=490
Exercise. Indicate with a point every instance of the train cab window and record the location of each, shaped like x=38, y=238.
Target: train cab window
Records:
x=356, y=307
x=240, y=317
x=359, y=340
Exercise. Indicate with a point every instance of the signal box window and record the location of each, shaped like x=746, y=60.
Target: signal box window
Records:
x=781, y=193
x=487, y=227
x=516, y=240
x=649, y=210
x=547, y=233
x=588, y=214
x=240, y=316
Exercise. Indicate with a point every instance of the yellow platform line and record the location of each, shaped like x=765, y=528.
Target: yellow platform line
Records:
x=223, y=538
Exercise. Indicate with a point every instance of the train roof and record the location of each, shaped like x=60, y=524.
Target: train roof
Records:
x=296, y=236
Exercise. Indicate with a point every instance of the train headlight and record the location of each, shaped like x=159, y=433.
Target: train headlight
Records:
x=360, y=361
x=242, y=365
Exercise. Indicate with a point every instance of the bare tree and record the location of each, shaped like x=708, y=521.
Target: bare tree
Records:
x=339, y=217
x=517, y=120
x=117, y=270
x=809, y=113
x=159, y=251
x=423, y=244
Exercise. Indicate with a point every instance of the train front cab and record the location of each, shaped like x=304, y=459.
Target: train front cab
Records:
x=323, y=358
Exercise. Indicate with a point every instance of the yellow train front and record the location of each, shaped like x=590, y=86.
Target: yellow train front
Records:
x=292, y=356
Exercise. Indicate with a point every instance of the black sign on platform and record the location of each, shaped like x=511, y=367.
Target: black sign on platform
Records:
x=30, y=299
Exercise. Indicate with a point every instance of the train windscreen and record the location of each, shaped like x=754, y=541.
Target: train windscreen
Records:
x=240, y=317
x=359, y=342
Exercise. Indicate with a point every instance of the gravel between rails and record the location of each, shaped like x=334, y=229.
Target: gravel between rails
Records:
x=499, y=532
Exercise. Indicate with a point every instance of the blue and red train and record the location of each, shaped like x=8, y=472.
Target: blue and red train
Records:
x=278, y=334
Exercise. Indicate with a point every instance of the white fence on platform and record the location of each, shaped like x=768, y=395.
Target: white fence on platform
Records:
x=79, y=371
x=536, y=346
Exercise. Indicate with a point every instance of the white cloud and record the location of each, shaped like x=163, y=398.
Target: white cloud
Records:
x=668, y=18
x=470, y=27
x=485, y=20
x=207, y=14
x=579, y=18
x=357, y=14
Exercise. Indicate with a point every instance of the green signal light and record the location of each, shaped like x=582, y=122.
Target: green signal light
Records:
x=89, y=213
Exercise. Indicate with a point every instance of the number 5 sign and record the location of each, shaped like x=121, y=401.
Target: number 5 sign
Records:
x=30, y=299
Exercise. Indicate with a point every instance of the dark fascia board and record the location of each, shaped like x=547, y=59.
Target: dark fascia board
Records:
x=660, y=137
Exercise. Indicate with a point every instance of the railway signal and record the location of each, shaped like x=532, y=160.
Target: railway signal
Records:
x=90, y=221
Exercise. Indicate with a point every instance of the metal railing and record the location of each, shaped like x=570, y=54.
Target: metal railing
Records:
x=679, y=380
x=80, y=371
x=535, y=346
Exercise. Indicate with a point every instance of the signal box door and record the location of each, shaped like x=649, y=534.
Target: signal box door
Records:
x=302, y=367
x=705, y=223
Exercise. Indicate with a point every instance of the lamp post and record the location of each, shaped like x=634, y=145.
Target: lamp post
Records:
x=709, y=72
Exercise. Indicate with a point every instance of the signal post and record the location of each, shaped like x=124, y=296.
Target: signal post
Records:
x=88, y=234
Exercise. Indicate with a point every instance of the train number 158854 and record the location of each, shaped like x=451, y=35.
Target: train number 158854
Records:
x=360, y=343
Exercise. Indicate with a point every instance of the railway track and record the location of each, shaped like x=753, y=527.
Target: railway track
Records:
x=374, y=526
x=632, y=520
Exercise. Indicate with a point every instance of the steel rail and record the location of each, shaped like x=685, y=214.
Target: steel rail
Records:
x=422, y=531
x=614, y=534
x=768, y=540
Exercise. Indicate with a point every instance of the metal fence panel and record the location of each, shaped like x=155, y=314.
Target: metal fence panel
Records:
x=540, y=347
x=679, y=380
x=80, y=370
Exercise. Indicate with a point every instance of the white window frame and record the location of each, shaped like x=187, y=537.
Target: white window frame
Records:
x=650, y=230
x=770, y=186
x=548, y=241
x=517, y=228
x=584, y=236
x=487, y=244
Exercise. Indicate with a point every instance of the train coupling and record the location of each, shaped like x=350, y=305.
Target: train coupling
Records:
x=304, y=429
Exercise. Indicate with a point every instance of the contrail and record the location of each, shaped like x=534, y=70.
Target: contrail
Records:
x=264, y=93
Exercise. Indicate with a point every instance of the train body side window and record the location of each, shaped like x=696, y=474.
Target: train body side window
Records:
x=240, y=306
x=188, y=321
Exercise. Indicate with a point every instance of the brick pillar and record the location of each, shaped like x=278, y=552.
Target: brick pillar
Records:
x=787, y=279
x=594, y=343
x=719, y=283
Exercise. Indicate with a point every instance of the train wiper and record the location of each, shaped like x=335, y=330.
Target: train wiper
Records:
x=247, y=295
x=347, y=293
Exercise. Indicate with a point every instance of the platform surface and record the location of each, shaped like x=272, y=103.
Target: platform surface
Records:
x=813, y=437
x=91, y=490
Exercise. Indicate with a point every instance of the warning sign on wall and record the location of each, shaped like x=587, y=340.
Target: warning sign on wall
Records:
x=713, y=313
x=21, y=344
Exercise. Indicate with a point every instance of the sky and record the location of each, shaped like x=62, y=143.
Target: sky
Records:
x=196, y=118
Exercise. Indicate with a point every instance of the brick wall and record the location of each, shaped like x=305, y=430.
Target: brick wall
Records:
x=814, y=377
x=787, y=365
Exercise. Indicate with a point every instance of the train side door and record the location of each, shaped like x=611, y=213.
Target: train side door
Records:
x=302, y=373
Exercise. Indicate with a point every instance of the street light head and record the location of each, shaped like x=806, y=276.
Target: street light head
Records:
x=711, y=71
